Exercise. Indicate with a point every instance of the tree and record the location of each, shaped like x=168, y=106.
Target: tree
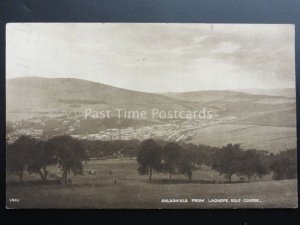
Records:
x=251, y=164
x=208, y=155
x=284, y=165
x=191, y=157
x=149, y=157
x=17, y=156
x=70, y=154
x=172, y=157
x=188, y=163
x=227, y=160
x=39, y=157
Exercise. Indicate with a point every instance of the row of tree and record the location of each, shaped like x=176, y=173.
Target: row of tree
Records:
x=109, y=149
x=34, y=156
x=170, y=158
x=181, y=158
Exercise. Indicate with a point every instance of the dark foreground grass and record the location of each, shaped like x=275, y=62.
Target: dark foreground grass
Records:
x=134, y=191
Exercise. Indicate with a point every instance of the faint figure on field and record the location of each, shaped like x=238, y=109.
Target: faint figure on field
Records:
x=92, y=172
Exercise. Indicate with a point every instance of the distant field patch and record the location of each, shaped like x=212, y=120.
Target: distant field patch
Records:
x=270, y=138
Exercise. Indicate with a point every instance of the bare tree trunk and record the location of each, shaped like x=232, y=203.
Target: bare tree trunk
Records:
x=230, y=178
x=190, y=176
x=41, y=175
x=170, y=175
x=150, y=175
x=21, y=176
x=45, y=173
x=65, y=177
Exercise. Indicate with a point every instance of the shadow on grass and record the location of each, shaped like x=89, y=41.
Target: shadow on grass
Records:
x=32, y=183
x=185, y=181
x=57, y=184
x=35, y=183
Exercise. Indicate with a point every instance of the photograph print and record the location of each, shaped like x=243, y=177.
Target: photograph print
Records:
x=150, y=116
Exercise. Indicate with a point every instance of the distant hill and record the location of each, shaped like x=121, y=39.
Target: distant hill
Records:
x=39, y=94
x=286, y=92
x=234, y=95
x=212, y=95
x=277, y=109
x=36, y=94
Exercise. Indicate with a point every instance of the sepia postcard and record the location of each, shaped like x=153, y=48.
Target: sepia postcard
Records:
x=150, y=115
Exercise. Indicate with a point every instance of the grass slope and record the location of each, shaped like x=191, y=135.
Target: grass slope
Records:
x=134, y=191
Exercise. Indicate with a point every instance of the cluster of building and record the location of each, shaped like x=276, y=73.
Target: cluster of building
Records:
x=170, y=131
x=34, y=133
x=42, y=127
x=39, y=128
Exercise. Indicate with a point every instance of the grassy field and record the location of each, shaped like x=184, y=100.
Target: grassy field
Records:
x=134, y=191
x=270, y=138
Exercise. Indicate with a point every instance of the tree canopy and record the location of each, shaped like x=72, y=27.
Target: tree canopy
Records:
x=149, y=157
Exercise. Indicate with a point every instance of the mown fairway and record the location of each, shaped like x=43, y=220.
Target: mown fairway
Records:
x=134, y=191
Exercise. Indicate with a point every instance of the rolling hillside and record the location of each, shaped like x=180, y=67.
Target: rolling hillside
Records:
x=36, y=94
x=43, y=94
x=245, y=108
x=286, y=92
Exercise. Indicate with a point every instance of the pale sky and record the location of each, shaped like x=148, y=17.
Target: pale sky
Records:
x=155, y=57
